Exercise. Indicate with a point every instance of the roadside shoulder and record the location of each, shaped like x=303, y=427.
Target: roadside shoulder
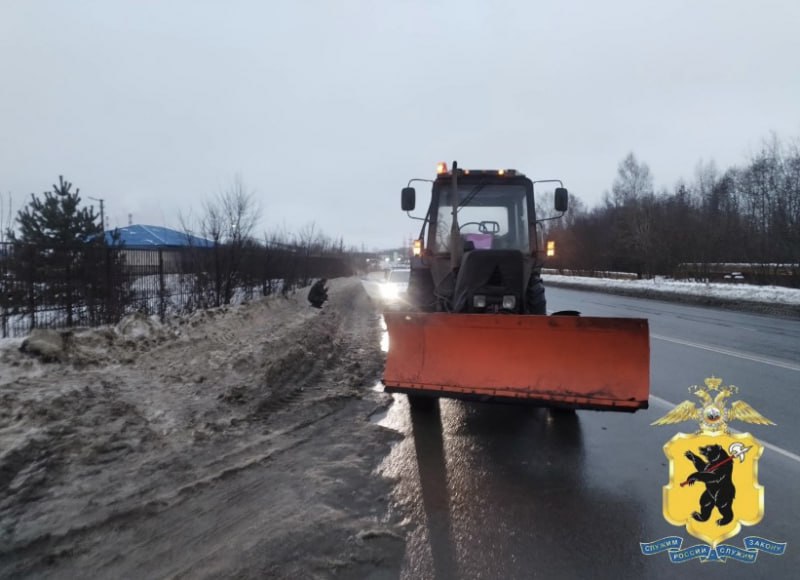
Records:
x=772, y=309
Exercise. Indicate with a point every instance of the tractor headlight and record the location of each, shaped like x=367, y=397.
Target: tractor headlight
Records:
x=509, y=302
x=389, y=291
x=479, y=301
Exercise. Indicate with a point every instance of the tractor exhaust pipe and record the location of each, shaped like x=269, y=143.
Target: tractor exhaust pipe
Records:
x=456, y=247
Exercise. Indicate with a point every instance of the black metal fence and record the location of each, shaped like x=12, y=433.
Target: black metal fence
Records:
x=93, y=284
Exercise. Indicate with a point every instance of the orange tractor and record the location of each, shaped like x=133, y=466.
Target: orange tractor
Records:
x=476, y=324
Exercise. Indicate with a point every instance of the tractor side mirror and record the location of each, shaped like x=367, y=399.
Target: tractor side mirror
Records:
x=562, y=199
x=408, y=198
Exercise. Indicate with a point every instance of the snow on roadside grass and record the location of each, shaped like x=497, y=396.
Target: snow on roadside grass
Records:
x=743, y=292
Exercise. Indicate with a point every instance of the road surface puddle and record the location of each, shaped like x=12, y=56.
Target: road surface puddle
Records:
x=384, y=336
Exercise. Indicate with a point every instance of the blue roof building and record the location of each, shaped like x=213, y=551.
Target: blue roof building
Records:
x=148, y=237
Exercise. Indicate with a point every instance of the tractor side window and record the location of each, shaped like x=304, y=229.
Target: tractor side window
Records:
x=443, y=223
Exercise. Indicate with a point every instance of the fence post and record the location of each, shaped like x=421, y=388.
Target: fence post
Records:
x=110, y=309
x=217, y=277
x=68, y=286
x=5, y=283
x=32, y=285
x=162, y=307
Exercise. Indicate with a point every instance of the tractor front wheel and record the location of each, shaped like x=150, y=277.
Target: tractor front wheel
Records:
x=535, y=302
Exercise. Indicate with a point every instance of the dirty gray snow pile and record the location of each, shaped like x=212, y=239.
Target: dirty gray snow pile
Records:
x=232, y=442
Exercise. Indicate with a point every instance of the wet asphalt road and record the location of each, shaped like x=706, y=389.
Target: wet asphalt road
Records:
x=495, y=491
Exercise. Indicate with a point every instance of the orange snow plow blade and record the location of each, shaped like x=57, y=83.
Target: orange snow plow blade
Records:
x=573, y=361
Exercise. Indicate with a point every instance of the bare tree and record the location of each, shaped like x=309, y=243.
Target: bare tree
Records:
x=629, y=205
x=278, y=263
x=228, y=221
x=6, y=216
x=791, y=194
x=231, y=216
x=741, y=214
x=706, y=177
x=311, y=242
x=6, y=220
x=633, y=181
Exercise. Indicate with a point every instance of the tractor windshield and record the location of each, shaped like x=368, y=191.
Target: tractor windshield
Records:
x=490, y=216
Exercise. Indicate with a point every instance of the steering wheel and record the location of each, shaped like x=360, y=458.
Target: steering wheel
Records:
x=482, y=226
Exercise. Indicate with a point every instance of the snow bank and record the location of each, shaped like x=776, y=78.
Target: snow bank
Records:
x=732, y=292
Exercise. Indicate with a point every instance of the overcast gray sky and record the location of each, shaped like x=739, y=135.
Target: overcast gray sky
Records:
x=327, y=108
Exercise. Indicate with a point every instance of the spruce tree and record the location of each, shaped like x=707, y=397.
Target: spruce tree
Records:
x=57, y=220
x=58, y=257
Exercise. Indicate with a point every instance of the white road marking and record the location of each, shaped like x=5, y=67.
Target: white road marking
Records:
x=728, y=352
x=788, y=454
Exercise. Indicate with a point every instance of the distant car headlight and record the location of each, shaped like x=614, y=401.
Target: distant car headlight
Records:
x=509, y=302
x=389, y=291
x=479, y=301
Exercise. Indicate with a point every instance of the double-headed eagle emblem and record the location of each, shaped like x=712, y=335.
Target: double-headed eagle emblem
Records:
x=713, y=416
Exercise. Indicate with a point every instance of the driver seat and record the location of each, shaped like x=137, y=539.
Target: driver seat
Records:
x=480, y=241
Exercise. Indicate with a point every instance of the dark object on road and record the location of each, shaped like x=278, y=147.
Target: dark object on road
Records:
x=318, y=293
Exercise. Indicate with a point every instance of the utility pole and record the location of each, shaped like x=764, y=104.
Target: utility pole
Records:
x=102, y=214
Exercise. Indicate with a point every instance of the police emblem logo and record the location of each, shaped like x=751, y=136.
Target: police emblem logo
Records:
x=713, y=484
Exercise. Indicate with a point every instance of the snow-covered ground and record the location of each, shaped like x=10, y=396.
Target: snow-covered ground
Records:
x=733, y=291
x=230, y=442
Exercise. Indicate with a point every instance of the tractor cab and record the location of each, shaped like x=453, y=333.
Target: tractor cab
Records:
x=478, y=243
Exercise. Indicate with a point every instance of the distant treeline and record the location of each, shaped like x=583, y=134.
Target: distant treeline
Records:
x=746, y=215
